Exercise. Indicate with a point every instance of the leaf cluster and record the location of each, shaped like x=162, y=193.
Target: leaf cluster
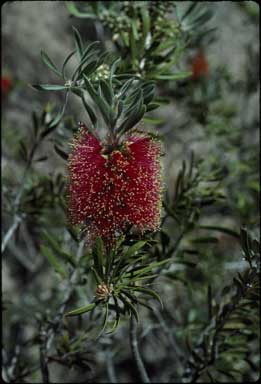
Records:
x=125, y=272
x=150, y=36
x=195, y=188
x=230, y=329
x=121, y=99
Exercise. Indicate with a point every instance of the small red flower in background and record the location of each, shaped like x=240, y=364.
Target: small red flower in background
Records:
x=200, y=65
x=6, y=85
x=108, y=192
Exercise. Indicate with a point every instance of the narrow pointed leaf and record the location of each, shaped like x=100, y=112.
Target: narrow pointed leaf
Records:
x=57, y=248
x=82, y=310
x=150, y=292
x=59, y=268
x=98, y=250
x=47, y=61
x=61, y=153
x=78, y=41
x=66, y=62
x=130, y=307
x=75, y=12
x=105, y=320
x=134, y=249
x=49, y=87
x=171, y=76
x=221, y=229
x=117, y=319
x=90, y=111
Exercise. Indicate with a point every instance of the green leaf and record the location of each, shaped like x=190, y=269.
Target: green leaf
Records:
x=88, y=57
x=130, y=307
x=75, y=12
x=81, y=310
x=118, y=108
x=35, y=123
x=171, y=76
x=148, y=90
x=43, y=158
x=148, y=291
x=61, y=153
x=117, y=319
x=96, y=275
x=23, y=150
x=53, y=261
x=49, y=87
x=125, y=87
x=153, y=120
x=102, y=58
x=105, y=320
x=135, y=29
x=78, y=41
x=163, y=46
x=202, y=18
x=106, y=91
x=126, y=76
x=131, y=251
x=134, y=249
x=133, y=46
x=46, y=132
x=145, y=22
x=125, y=38
x=221, y=229
x=105, y=109
x=113, y=69
x=109, y=260
x=90, y=49
x=57, y=248
x=124, y=266
x=90, y=67
x=245, y=242
x=190, y=8
x=152, y=106
x=142, y=270
x=205, y=239
x=97, y=253
x=90, y=111
x=145, y=277
x=134, y=117
x=47, y=61
x=66, y=62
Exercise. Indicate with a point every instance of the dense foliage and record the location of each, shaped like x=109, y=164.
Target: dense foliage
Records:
x=185, y=292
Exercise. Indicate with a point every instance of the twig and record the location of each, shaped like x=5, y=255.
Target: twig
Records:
x=136, y=353
x=110, y=367
x=18, y=218
x=175, y=246
x=47, y=334
x=43, y=355
x=11, y=231
x=21, y=257
x=212, y=331
x=177, y=352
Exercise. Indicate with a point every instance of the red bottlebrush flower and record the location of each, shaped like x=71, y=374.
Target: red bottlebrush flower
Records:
x=199, y=65
x=6, y=85
x=108, y=192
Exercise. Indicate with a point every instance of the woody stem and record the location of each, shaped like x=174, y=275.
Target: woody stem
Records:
x=136, y=353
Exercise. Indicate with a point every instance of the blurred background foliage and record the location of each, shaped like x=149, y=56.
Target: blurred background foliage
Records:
x=204, y=58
